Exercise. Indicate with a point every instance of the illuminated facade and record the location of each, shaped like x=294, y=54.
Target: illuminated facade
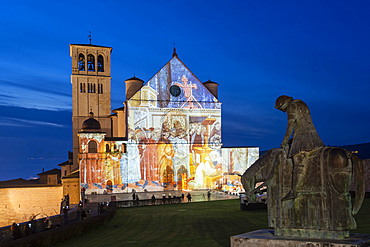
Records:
x=167, y=136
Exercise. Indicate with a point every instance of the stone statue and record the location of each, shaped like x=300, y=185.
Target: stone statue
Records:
x=307, y=183
x=305, y=137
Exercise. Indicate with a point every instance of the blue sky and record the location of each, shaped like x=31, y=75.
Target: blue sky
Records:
x=317, y=51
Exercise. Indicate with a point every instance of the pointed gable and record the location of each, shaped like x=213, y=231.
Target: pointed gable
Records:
x=175, y=86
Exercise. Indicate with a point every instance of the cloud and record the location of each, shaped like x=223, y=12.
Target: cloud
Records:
x=19, y=95
x=17, y=122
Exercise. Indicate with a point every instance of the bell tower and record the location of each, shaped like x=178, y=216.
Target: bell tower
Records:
x=91, y=89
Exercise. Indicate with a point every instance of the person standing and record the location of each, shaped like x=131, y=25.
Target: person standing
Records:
x=189, y=197
x=153, y=199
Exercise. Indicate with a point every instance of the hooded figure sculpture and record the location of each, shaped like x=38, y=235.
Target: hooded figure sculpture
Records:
x=307, y=183
x=305, y=137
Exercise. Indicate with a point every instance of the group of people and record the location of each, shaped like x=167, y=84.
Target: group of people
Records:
x=102, y=207
x=165, y=199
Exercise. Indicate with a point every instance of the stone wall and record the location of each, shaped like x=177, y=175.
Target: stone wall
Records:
x=18, y=204
x=366, y=164
x=71, y=186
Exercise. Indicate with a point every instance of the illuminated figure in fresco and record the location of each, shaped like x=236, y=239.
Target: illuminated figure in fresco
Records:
x=214, y=140
x=130, y=169
x=112, y=168
x=181, y=157
x=207, y=168
x=143, y=141
x=253, y=155
x=165, y=155
x=197, y=139
x=188, y=92
x=239, y=160
x=150, y=157
x=156, y=134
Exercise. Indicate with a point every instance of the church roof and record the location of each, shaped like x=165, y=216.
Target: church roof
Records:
x=91, y=124
x=174, y=56
x=92, y=45
x=118, y=109
x=74, y=174
x=51, y=172
x=65, y=163
x=210, y=82
x=18, y=182
x=186, y=87
x=134, y=78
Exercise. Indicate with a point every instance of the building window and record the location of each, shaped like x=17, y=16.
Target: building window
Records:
x=91, y=88
x=81, y=62
x=107, y=149
x=82, y=88
x=100, y=63
x=65, y=172
x=100, y=88
x=92, y=147
x=90, y=62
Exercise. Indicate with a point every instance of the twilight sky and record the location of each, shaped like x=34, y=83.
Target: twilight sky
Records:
x=313, y=50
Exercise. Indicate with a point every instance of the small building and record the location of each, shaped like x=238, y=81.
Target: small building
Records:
x=50, y=177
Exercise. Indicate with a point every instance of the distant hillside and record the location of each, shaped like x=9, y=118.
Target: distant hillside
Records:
x=363, y=150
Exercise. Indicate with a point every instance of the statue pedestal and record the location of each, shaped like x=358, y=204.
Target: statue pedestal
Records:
x=265, y=237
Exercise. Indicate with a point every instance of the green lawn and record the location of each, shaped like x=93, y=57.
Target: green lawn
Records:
x=194, y=224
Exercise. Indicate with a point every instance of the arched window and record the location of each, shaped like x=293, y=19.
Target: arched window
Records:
x=90, y=62
x=107, y=149
x=100, y=63
x=92, y=147
x=81, y=62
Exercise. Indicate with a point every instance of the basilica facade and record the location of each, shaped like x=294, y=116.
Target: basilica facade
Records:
x=166, y=136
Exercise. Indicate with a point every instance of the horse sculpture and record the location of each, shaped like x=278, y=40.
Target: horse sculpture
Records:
x=322, y=207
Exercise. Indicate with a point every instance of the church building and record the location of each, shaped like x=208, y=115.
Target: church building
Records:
x=166, y=136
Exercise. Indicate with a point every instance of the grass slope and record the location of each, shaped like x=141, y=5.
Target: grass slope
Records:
x=194, y=224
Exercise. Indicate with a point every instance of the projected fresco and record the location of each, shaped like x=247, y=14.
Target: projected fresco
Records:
x=173, y=142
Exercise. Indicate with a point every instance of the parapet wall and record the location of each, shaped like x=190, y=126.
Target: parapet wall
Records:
x=19, y=204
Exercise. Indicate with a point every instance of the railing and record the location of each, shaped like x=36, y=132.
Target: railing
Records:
x=149, y=202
